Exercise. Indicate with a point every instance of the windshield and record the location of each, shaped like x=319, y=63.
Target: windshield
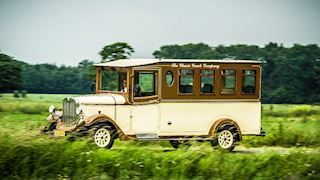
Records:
x=113, y=81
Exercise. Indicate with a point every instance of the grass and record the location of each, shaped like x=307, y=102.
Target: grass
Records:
x=289, y=125
x=81, y=160
x=27, y=154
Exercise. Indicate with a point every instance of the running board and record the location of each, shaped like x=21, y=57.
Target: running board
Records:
x=168, y=139
x=146, y=136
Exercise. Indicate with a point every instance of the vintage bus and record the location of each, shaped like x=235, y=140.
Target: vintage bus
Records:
x=167, y=99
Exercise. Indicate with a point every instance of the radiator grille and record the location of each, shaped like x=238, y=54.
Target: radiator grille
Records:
x=69, y=116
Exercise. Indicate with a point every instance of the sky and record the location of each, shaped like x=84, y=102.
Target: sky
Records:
x=68, y=31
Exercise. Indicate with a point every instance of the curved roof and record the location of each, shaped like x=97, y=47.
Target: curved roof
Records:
x=142, y=62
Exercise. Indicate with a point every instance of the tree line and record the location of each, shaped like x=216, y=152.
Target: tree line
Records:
x=290, y=74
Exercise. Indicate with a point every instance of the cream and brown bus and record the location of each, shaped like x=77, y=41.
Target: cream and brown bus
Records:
x=167, y=99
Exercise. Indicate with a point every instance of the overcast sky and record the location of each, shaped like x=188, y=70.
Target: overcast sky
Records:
x=66, y=32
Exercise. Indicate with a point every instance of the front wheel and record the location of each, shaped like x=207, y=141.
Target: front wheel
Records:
x=104, y=136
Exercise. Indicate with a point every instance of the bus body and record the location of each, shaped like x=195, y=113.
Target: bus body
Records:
x=168, y=99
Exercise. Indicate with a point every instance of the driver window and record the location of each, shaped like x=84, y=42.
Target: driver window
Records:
x=145, y=84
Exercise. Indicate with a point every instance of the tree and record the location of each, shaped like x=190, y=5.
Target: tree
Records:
x=10, y=73
x=290, y=75
x=187, y=51
x=118, y=50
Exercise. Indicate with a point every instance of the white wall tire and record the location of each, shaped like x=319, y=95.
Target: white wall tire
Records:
x=104, y=137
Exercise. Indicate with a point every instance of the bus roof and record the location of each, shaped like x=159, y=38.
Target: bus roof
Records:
x=142, y=62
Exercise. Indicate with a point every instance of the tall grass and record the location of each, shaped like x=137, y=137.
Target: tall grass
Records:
x=288, y=125
x=25, y=154
x=26, y=108
x=82, y=160
x=295, y=111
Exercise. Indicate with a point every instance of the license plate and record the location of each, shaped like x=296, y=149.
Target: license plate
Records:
x=59, y=133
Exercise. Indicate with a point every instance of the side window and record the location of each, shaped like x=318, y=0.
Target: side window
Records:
x=144, y=84
x=228, y=81
x=249, y=81
x=169, y=78
x=185, y=81
x=207, y=81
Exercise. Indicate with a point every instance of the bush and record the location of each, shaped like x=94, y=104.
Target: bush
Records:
x=24, y=93
x=296, y=111
x=32, y=109
x=303, y=111
x=16, y=94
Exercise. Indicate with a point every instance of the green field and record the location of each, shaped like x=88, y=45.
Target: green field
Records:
x=290, y=149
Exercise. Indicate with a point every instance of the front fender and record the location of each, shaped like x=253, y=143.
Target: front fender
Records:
x=97, y=118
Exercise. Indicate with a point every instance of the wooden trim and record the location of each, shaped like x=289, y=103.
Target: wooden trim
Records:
x=255, y=80
x=165, y=77
x=172, y=92
x=236, y=81
x=214, y=81
x=113, y=92
x=145, y=98
x=206, y=100
x=98, y=69
x=193, y=81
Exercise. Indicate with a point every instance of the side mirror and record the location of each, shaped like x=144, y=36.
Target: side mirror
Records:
x=93, y=87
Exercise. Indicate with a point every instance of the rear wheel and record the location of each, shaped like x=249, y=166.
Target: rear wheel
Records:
x=226, y=138
x=104, y=136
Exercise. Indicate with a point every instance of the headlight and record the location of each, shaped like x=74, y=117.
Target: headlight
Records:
x=78, y=110
x=52, y=109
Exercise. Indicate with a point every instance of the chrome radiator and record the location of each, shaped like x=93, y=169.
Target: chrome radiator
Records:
x=69, y=116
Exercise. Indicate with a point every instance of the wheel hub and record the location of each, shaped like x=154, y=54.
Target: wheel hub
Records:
x=225, y=139
x=102, y=137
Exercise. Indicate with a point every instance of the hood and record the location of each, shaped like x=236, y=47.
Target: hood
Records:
x=101, y=99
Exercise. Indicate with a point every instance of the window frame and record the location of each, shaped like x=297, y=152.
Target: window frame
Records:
x=147, y=99
x=255, y=82
x=178, y=83
x=214, y=75
x=99, y=81
x=165, y=78
x=235, y=83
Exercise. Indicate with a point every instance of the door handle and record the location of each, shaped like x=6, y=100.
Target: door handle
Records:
x=169, y=123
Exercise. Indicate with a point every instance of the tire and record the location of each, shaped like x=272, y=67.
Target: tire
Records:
x=104, y=136
x=52, y=126
x=226, y=138
x=49, y=129
x=180, y=144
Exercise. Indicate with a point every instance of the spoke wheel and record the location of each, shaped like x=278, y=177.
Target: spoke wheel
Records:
x=225, y=139
x=104, y=137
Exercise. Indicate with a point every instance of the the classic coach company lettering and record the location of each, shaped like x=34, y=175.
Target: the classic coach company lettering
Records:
x=195, y=65
x=205, y=65
x=174, y=65
x=184, y=65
